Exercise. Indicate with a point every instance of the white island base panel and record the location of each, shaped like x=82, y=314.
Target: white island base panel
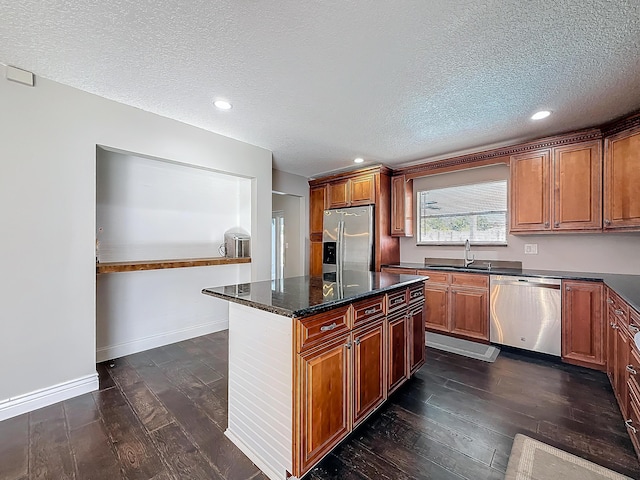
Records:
x=260, y=388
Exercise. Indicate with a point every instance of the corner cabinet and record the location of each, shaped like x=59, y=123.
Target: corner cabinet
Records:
x=622, y=180
x=557, y=189
x=368, y=186
x=583, y=331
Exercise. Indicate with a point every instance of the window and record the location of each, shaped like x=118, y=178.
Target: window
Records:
x=452, y=215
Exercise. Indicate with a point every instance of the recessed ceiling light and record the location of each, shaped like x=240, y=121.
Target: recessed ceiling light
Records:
x=540, y=115
x=358, y=160
x=222, y=104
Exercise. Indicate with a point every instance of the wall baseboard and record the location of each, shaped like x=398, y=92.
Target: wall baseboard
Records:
x=44, y=397
x=154, y=341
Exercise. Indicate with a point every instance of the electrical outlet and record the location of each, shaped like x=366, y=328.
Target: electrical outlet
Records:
x=530, y=248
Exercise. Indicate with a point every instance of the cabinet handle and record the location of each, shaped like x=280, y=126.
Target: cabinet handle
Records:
x=326, y=328
x=607, y=221
x=416, y=294
x=546, y=224
x=628, y=424
x=397, y=301
x=568, y=289
x=609, y=301
x=369, y=311
x=557, y=224
x=348, y=345
x=631, y=370
x=357, y=341
x=634, y=329
x=618, y=312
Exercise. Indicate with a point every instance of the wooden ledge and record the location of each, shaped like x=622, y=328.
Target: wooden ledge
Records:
x=116, y=267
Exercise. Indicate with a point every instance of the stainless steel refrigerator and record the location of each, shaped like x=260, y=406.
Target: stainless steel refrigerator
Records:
x=347, y=239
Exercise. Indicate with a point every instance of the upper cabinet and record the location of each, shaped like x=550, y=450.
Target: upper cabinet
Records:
x=622, y=180
x=401, y=206
x=557, y=189
x=352, y=192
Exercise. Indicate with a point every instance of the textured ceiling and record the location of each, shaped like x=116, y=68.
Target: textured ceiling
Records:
x=319, y=83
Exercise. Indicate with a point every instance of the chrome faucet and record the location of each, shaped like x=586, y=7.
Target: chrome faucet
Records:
x=467, y=250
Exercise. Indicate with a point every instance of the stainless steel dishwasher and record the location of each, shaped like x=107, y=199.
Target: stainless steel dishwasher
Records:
x=525, y=312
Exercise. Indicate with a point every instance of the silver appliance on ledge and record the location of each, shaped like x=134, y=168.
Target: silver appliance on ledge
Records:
x=347, y=239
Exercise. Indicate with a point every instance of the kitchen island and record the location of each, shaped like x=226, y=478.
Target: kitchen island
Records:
x=312, y=357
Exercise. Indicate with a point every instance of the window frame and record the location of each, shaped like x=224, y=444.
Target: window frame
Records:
x=418, y=217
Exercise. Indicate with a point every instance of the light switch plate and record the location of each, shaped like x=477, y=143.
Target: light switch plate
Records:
x=530, y=248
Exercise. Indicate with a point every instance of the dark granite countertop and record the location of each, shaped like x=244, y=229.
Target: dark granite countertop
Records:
x=626, y=286
x=304, y=296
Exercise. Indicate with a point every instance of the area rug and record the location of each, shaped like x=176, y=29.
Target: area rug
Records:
x=480, y=351
x=534, y=460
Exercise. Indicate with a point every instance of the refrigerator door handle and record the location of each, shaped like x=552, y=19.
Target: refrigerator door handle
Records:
x=340, y=246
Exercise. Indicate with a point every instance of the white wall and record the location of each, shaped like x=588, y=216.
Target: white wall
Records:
x=579, y=252
x=151, y=209
x=298, y=186
x=294, y=253
x=49, y=135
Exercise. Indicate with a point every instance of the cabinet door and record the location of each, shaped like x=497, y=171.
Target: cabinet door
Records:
x=622, y=180
x=470, y=312
x=530, y=193
x=416, y=327
x=436, y=307
x=398, y=349
x=322, y=400
x=317, y=205
x=338, y=194
x=582, y=324
x=621, y=388
x=369, y=380
x=363, y=190
x=611, y=347
x=401, y=207
x=315, y=263
x=577, y=189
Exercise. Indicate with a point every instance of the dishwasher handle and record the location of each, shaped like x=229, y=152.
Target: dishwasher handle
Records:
x=527, y=283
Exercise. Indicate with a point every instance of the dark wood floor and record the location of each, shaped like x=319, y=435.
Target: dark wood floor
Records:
x=161, y=414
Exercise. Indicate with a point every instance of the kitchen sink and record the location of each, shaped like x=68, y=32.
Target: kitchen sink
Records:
x=458, y=263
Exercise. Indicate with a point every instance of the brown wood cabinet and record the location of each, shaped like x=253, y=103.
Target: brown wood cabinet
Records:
x=369, y=379
x=557, y=189
x=325, y=390
x=398, y=349
x=317, y=206
x=457, y=304
x=368, y=186
x=583, y=331
x=417, y=355
x=347, y=361
x=622, y=180
x=401, y=206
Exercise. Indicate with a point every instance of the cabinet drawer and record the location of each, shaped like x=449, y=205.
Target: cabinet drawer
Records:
x=470, y=280
x=399, y=270
x=316, y=329
x=634, y=371
x=396, y=301
x=435, y=276
x=368, y=310
x=416, y=293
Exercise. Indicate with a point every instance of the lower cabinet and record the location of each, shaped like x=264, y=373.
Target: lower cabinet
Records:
x=583, y=338
x=324, y=393
x=369, y=380
x=343, y=376
x=398, y=348
x=457, y=303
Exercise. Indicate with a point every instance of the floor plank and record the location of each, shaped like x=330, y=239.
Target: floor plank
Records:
x=161, y=415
